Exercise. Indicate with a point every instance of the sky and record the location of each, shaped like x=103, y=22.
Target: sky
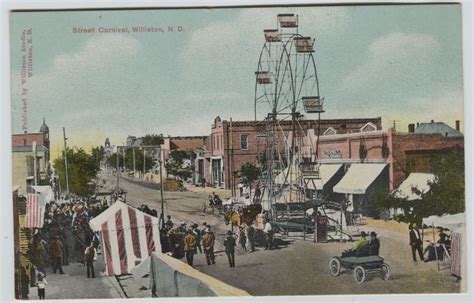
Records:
x=401, y=62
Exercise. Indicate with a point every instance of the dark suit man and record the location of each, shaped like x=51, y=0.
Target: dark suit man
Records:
x=415, y=242
x=229, y=244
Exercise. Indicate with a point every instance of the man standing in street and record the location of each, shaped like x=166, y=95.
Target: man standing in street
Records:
x=415, y=242
x=242, y=238
x=251, y=237
x=189, y=246
x=208, y=241
x=89, y=255
x=229, y=244
x=169, y=224
x=57, y=254
x=268, y=235
x=198, y=235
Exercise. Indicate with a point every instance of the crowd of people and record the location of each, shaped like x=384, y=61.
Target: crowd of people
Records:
x=185, y=241
x=64, y=238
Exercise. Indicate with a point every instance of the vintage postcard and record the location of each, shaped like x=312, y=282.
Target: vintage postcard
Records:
x=238, y=151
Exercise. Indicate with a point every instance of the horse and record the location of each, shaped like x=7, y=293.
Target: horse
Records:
x=248, y=215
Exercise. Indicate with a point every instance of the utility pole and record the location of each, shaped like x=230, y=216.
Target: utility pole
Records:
x=35, y=163
x=161, y=189
x=232, y=159
x=144, y=161
x=124, y=166
x=118, y=167
x=65, y=160
x=133, y=150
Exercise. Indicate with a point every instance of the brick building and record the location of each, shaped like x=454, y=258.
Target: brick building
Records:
x=374, y=160
x=233, y=143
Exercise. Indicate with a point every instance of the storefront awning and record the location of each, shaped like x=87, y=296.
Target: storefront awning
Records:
x=326, y=172
x=358, y=178
x=46, y=190
x=420, y=181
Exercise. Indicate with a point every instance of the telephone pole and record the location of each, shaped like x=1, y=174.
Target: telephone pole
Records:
x=65, y=160
x=133, y=150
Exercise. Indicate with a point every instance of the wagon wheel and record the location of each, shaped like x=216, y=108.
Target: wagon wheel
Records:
x=335, y=267
x=385, y=270
x=359, y=274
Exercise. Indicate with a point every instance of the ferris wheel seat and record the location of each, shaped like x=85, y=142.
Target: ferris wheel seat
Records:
x=271, y=35
x=313, y=104
x=304, y=44
x=263, y=77
x=287, y=20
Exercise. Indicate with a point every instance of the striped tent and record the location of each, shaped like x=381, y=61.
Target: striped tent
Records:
x=129, y=236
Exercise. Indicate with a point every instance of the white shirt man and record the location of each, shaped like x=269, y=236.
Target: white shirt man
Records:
x=268, y=228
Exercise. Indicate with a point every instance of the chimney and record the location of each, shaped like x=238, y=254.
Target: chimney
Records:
x=458, y=127
x=411, y=128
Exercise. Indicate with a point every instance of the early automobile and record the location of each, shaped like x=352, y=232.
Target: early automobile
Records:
x=361, y=265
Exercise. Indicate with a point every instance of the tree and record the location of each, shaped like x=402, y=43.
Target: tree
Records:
x=153, y=140
x=97, y=154
x=446, y=194
x=249, y=172
x=82, y=170
x=180, y=164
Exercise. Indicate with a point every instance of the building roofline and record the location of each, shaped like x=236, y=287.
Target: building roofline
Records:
x=27, y=134
x=306, y=121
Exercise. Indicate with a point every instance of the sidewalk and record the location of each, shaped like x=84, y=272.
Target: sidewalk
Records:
x=74, y=284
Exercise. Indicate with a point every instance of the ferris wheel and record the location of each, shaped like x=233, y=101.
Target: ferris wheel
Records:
x=287, y=88
x=286, y=78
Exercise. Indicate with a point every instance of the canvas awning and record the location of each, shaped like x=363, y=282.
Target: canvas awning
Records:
x=129, y=236
x=358, y=178
x=326, y=172
x=46, y=190
x=420, y=181
x=452, y=222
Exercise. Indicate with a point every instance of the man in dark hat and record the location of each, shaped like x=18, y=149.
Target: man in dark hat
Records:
x=57, y=254
x=169, y=224
x=198, y=235
x=374, y=244
x=415, y=242
x=229, y=244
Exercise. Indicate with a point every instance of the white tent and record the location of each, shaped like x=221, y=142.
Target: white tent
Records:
x=129, y=236
x=46, y=191
x=358, y=178
x=453, y=222
x=420, y=181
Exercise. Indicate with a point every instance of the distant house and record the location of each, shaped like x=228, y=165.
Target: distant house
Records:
x=438, y=128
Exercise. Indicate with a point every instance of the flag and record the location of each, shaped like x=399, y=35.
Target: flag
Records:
x=35, y=208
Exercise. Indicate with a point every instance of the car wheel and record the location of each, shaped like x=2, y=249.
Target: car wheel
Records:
x=359, y=274
x=385, y=270
x=335, y=267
